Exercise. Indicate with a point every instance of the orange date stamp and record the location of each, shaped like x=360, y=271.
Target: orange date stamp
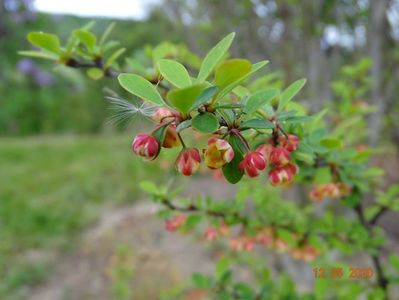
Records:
x=343, y=273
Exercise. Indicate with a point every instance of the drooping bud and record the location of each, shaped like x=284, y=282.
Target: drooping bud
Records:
x=264, y=236
x=279, y=156
x=188, y=161
x=290, y=143
x=218, y=153
x=242, y=243
x=282, y=175
x=211, y=234
x=252, y=164
x=162, y=114
x=265, y=150
x=331, y=190
x=145, y=146
x=224, y=229
x=306, y=253
x=175, y=223
x=171, y=139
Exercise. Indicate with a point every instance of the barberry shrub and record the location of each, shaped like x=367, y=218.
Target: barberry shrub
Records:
x=250, y=130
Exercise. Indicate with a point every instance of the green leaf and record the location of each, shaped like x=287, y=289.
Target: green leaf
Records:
x=174, y=72
x=49, y=42
x=183, y=125
x=230, y=71
x=106, y=33
x=231, y=171
x=87, y=38
x=201, y=281
x=95, y=73
x=231, y=86
x=204, y=97
x=149, y=187
x=140, y=87
x=257, y=123
x=183, y=99
x=214, y=56
x=298, y=119
x=323, y=175
x=259, y=99
x=222, y=266
x=305, y=157
x=394, y=261
x=114, y=57
x=205, y=123
x=290, y=92
x=331, y=143
x=39, y=54
x=160, y=135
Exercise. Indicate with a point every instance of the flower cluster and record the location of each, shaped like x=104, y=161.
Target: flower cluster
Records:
x=333, y=190
x=265, y=236
x=219, y=152
x=277, y=155
x=175, y=223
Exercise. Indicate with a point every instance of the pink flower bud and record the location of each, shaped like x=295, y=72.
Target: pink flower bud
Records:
x=188, y=161
x=218, y=153
x=264, y=236
x=317, y=193
x=291, y=143
x=252, y=164
x=265, y=150
x=224, y=229
x=145, y=146
x=280, y=245
x=249, y=244
x=282, y=175
x=331, y=190
x=306, y=253
x=175, y=223
x=163, y=114
x=211, y=234
x=171, y=139
x=279, y=156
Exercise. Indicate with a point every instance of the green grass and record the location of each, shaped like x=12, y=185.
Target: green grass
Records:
x=51, y=188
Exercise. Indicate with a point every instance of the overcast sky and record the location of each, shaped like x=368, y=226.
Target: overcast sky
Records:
x=136, y=9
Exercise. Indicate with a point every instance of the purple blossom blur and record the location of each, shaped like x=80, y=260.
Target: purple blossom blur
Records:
x=27, y=67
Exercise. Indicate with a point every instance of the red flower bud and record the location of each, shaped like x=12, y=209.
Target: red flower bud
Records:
x=171, y=139
x=252, y=164
x=164, y=114
x=279, y=156
x=291, y=143
x=265, y=150
x=218, y=153
x=145, y=146
x=175, y=223
x=188, y=161
x=211, y=234
x=282, y=175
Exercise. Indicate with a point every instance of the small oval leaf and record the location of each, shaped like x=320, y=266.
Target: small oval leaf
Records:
x=49, y=42
x=214, y=56
x=290, y=92
x=204, y=97
x=140, y=87
x=205, y=123
x=230, y=71
x=231, y=171
x=174, y=72
x=259, y=99
x=257, y=124
x=183, y=99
